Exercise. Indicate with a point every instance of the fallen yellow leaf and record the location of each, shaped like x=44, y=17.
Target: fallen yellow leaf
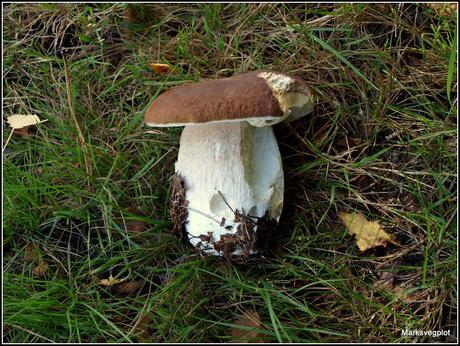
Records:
x=18, y=121
x=163, y=69
x=110, y=281
x=369, y=234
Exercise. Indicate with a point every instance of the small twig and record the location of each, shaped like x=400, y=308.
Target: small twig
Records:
x=200, y=212
x=228, y=205
x=245, y=217
x=88, y=167
x=236, y=213
x=320, y=21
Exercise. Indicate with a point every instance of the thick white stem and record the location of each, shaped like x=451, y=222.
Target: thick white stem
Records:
x=227, y=167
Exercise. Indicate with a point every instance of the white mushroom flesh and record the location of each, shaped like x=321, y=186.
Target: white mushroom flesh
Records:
x=294, y=104
x=228, y=167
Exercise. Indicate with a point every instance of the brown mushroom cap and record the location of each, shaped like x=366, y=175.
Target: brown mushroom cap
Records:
x=245, y=96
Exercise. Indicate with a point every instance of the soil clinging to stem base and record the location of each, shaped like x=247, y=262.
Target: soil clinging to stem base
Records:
x=253, y=235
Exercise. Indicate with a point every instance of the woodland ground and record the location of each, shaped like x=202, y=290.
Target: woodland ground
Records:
x=85, y=202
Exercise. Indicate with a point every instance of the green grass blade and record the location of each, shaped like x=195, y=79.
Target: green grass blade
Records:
x=342, y=59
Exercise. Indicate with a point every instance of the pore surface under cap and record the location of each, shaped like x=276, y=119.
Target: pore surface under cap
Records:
x=239, y=97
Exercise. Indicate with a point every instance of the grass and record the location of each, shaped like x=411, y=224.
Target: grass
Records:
x=89, y=188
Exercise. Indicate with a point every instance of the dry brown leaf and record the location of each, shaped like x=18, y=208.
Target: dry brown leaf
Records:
x=250, y=322
x=162, y=69
x=402, y=293
x=142, y=330
x=369, y=234
x=130, y=17
x=366, y=128
x=385, y=281
x=41, y=269
x=127, y=287
x=110, y=281
x=349, y=142
x=31, y=252
x=118, y=318
x=136, y=209
x=445, y=8
x=135, y=226
x=23, y=132
x=130, y=14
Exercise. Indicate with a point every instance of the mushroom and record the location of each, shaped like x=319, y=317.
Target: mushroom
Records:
x=229, y=162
